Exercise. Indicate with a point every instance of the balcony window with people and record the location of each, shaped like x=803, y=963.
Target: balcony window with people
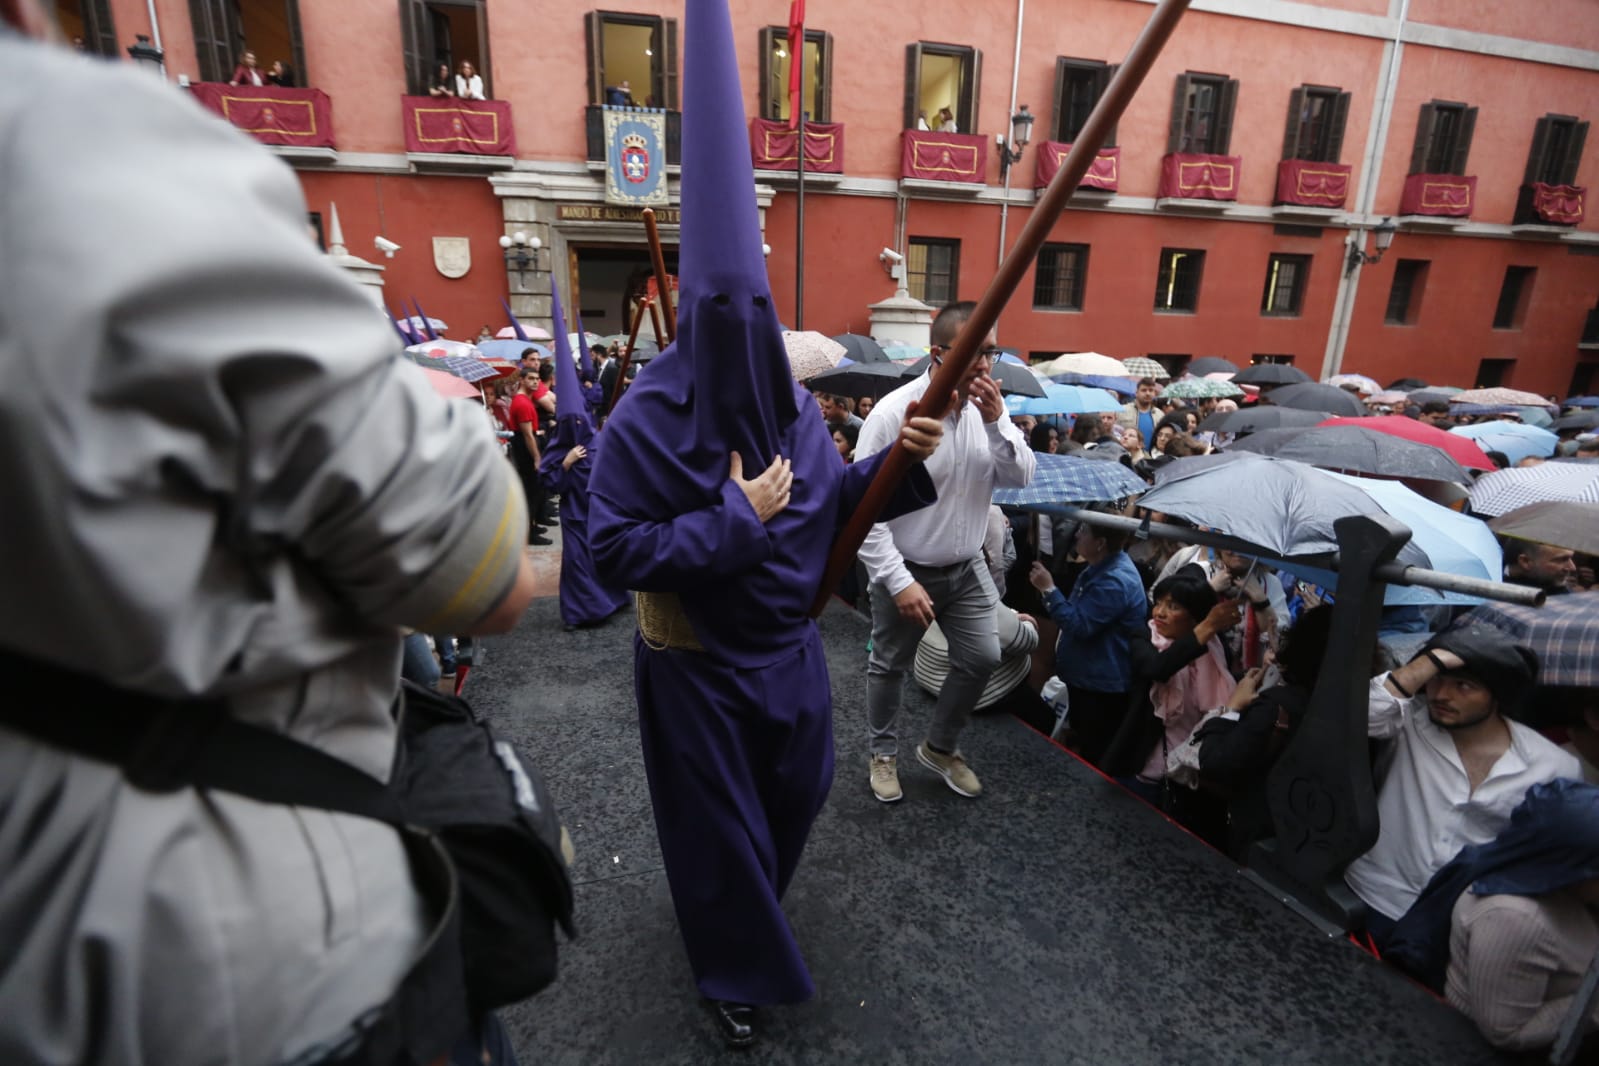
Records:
x=941, y=83
x=248, y=42
x=448, y=34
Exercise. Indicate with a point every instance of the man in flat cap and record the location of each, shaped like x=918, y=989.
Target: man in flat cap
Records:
x=1454, y=766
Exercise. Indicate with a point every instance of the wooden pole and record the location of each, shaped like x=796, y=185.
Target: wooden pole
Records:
x=655, y=324
x=627, y=357
x=940, y=393
x=658, y=259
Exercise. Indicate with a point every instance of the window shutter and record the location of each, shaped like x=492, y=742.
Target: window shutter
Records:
x=1423, y=145
x=99, y=31
x=594, y=44
x=1179, y=106
x=1104, y=83
x=1057, y=126
x=1468, y=123
x=291, y=10
x=1296, y=108
x=485, y=60
x=1540, y=145
x=766, y=40
x=913, y=84
x=1224, y=117
x=415, y=34
x=669, y=65
x=210, y=40
x=1568, y=172
x=1335, y=136
x=970, y=122
x=824, y=78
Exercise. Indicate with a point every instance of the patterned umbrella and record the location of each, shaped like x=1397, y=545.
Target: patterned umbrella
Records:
x=1202, y=389
x=1313, y=396
x=444, y=347
x=811, y=353
x=1389, y=396
x=1084, y=363
x=463, y=367
x=903, y=353
x=1443, y=393
x=1367, y=386
x=1514, y=440
x=1564, y=633
x=863, y=349
x=1271, y=374
x=1141, y=366
x=1070, y=479
x=1505, y=490
x=1500, y=396
x=1556, y=522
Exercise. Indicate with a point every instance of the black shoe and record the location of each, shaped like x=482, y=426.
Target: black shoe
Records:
x=539, y=540
x=735, y=1021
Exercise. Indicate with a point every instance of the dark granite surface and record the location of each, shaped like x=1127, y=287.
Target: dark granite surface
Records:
x=1053, y=920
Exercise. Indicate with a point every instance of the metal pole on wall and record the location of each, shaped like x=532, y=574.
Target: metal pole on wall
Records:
x=799, y=230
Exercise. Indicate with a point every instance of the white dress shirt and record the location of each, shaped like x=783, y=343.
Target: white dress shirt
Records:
x=971, y=460
x=469, y=88
x=1425, y=804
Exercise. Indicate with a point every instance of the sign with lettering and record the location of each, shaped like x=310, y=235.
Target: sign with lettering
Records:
x=665, y=216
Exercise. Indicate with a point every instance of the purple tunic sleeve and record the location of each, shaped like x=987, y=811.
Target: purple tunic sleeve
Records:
x=680, y=553
x=914, y=493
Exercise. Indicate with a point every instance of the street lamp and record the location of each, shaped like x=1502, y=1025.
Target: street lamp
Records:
x=1021, y=131
x=1384, y=232
x=146, y=55
x=517, y=248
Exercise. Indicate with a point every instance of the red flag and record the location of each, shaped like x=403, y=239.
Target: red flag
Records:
x=796, y=60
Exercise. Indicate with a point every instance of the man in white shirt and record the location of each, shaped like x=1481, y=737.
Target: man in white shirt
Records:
x=929, y=565
x=1455, y=767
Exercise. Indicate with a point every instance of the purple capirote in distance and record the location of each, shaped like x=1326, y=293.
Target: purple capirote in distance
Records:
x=737, y=739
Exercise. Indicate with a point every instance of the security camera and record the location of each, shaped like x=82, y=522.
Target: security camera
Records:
x=888, y=255
x=386, y=246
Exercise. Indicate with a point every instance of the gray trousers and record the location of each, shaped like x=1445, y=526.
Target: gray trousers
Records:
x=964, y=602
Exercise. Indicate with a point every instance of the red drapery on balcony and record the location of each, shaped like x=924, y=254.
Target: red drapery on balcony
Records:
x=1200, y=177
x=773, y=146
x=1308, y=184
x=1558, y=204
x=933, y=156
x=465, y=127
x=300, y=118
x=1103, y=173
x=1448, y=195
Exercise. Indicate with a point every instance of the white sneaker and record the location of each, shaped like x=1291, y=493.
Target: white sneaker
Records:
x=885, y=778
x=952, y=768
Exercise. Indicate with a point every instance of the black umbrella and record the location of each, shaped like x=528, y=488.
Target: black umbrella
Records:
x=1580, y=420
x=1430, y=395
x=1016, y=380
x=859, y=379
x=1357, y=450
x=1314, y=396
x=1270, y=374
x=1255, y=419
x=1408, y=384
x=1210, y=364
x=862, y=349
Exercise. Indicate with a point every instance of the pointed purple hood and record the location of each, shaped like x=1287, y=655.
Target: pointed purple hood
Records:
x=585, y=358
x=573, y=424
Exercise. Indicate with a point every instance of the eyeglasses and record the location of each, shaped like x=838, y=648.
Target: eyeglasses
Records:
x=991, y=353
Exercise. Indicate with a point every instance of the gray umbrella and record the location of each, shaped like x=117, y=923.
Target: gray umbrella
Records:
x=862, y=349
x=859, y=379
x=1016, y=380
x=1255, y=419
x=1271, y=374
x=1580, y=420
x=1357, y=450
x=1313, y=396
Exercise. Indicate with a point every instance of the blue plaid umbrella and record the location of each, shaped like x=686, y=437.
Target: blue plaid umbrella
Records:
x=1564, y=633
x=1068, y=479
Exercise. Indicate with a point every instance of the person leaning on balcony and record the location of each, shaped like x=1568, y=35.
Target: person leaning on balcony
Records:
x=946, y=121
x=247, y=72
x=281, y=75
x=443, y=83
x=468, y=83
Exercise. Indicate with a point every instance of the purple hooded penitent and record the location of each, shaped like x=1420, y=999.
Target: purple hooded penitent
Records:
x=585, y=599
x=737, y=738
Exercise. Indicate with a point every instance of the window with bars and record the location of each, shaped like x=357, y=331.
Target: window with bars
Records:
x=816, y=71
x=1443, y=138
x=1079, y=83
x=1404, y=295
x=1285, y=285
x=932, y=269
x=1557, y=143
x=1514, y=294
x=1317, y=115
x=1059, y=278
x=1177, y=282
x=1202, y=114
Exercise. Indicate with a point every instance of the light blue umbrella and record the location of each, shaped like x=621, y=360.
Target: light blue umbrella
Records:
x=1069, y=479
x=1121, y=386
x=1063, y=400
x=1582, y=401
x=1514, y=440
x=511, y=350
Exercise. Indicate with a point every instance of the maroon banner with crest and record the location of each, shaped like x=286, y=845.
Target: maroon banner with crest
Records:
x=1104, y=173
x=302, y=118
x=933, y=156
x=1558, y=204
x=1448, y=195
x=465, y=127
x=1299, y=181
x=773, y=146
x=1199, y=177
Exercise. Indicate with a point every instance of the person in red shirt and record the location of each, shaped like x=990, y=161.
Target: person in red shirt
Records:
x=525, y=452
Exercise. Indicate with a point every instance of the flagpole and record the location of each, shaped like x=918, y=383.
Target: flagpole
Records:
x=799, y=234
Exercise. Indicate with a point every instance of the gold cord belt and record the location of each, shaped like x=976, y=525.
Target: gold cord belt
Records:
x=662, y=622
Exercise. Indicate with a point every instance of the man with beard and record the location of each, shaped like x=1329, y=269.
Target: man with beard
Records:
x=1542, y=566
x=1454, y=766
